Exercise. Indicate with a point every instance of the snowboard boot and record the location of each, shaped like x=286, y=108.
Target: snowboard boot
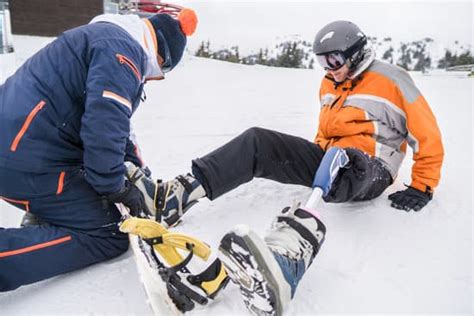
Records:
x=166, y=201
x=269, y=270
x=29, y=219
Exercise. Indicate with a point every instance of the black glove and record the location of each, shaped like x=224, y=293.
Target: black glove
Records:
x=359, y=163
x=410, y=199
x=130, y=196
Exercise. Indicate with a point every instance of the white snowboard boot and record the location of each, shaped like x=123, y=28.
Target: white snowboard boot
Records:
x=269, y=270
x=166, y=201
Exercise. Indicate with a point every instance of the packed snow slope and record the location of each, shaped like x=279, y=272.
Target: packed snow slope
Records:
x=375, y=259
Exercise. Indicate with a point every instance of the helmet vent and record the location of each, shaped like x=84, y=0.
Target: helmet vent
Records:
x=327, y=36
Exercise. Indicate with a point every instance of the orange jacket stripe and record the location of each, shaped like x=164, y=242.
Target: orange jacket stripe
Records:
x=34, y=247
x=60, y=183
x=25, y=203
x=119, y=99
x=155, y=42
x=145, y=41
x=155, y=45
x=127, y=61
x=153, y=34
x=26, y=124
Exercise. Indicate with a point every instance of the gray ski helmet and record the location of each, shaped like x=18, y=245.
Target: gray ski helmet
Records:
x=340, y=36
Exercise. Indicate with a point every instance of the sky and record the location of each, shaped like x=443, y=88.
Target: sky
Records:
x=257, y=24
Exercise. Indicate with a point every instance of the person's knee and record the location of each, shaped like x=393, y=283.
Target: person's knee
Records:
x=257, y=139
x=254, y=132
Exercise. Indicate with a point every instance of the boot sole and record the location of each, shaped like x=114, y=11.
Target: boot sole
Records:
x=251, y=265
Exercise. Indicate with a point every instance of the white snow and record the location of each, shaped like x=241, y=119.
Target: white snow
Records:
x=375, y=259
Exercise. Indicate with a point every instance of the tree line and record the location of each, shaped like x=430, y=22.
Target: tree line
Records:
x=298, y=54
x=289, y=54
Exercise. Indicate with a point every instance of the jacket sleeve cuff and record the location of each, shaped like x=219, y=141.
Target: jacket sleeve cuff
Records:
x=420, y=186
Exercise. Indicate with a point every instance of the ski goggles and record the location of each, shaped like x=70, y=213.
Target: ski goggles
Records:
x=332, y=61
x=167, y=62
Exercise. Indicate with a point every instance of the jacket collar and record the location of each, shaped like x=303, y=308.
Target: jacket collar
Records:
x=141, y=32
x=369, y=57
x=353, y=77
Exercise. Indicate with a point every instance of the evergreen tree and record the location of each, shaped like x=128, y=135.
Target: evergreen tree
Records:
x=204, y=50
x=234, y=56
x=422, y=64
x=262, y=57
x=388, y=55
x=405, y=60
x=291, y=56
x=465, y=58
x=446, y=60
x=451, y=59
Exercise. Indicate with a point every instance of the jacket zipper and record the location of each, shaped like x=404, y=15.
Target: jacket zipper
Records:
x=124, y=60
x=60, y=183
x=26, y=125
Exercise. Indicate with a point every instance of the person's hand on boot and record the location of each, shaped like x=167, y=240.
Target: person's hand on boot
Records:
x=130, y=196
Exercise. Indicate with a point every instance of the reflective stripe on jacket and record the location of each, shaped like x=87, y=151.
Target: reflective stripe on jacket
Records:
x=379, y=112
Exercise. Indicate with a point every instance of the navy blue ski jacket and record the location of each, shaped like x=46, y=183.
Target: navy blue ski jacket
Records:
x=69, y=106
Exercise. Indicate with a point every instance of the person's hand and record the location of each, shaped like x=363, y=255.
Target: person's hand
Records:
x=358, y=163
x=410, y=199
x=130, y=196
x=352, y=179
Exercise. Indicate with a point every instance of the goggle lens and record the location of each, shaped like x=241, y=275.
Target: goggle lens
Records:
x=331, y=61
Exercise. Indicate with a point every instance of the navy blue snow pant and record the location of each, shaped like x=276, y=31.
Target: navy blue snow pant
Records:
x=82, y=229
x=263, y=153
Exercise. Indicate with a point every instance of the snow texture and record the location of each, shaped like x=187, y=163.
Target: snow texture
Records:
x=375, y=259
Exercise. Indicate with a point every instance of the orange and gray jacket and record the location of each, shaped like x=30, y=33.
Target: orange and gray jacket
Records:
x=379, y=110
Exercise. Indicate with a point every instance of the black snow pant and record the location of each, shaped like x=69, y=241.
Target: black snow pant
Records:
x=284, y=158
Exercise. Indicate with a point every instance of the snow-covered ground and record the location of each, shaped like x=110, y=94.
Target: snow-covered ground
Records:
x=375, y=259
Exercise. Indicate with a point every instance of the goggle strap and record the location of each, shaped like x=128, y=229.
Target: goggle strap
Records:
x=355, y=48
